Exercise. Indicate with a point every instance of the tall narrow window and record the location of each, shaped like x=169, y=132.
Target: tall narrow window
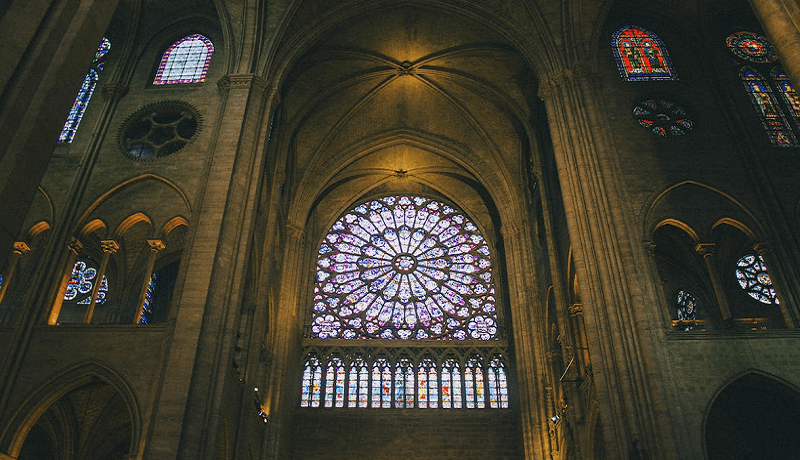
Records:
x=473, y=383
x=427, y=384
x=185, y=61
x=358, y=384
x=149, y=298
x=451, y=384
x=381, y=384
x=404, y=383
x=84, y=93
x=772, y=117
x=498, y=383
x=312, y=382
x=334, y=383
x=787, y=92
x=641, y=55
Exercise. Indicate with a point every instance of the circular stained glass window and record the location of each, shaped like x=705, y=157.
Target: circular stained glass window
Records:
x=751, y=272
x=404, y=267
x=752, y=47
x=662, y=118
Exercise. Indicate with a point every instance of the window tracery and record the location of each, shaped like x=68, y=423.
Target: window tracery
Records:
x=408, y=268
x=751, y=273
x=185, y=61
x=641, y=55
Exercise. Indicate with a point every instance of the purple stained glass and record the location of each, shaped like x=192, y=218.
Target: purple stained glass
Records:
x=751, y=273
x=404, y=268
x=185, y=61
x=84, y=94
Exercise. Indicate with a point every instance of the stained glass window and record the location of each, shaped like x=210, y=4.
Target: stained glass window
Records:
x=404, y=267
x=473, y=383
x=381, y=383
x=84, y=94
x=451, y=384
x=312, y=383
x=81, y=283
x=787, y=92
x=662, y=118
x=149, y=298
x=641, y=55
x=751, y=272
x=334, y=383
x=185, y=61
x=427, y=384
x=686, y=305
x=752, y=47
x=772, y=117
x=358, y=384
x=498, y=383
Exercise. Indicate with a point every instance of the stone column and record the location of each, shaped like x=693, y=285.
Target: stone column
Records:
x=109, y=247
x=74, y=247
x=20, y=248
x=707, y=251
x=156, y=246
x=780, y=20
x=582, y=352
x=618, y=308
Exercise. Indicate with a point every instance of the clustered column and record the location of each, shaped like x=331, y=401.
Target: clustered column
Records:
x=156, y=246
x=707, y=251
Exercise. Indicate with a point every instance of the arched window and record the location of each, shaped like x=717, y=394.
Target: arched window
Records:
x=787, y=92
x=84, y=93
x=641, y=55
x=185, y=61
x=751, y=272
x=772, y=117
x=402, y=269
x=79, y=289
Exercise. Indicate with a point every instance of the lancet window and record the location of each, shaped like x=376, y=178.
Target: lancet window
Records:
x=84, y=93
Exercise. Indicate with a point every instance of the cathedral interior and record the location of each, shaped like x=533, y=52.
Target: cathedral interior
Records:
x=399, y=229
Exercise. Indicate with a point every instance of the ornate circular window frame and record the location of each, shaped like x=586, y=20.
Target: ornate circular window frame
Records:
x=663, y=118
x=159, y=130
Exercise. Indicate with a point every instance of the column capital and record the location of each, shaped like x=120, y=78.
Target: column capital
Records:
x=763, y=248
x=242, y=81
x=705, y=249
x=74, y=245
x=156, y=245
x=114, y=91
x=109, y=246
x=650, y=247
x=576, y=309
x=21, y=247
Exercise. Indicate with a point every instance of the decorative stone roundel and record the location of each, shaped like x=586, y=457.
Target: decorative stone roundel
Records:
x=752, y=47
x=404, y=267
x=662, y=118
x=158, y=130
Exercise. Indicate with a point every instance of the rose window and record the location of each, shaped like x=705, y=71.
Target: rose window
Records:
x=403, y=267
x=751, y=272
x=752, y=47
x=662, y=118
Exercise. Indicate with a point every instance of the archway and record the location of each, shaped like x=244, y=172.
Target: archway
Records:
x=754, y=417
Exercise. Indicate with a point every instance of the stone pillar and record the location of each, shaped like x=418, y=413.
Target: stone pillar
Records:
x=778, y=283
x=211, y=278
x=584, y=363
x=780, y=20
x=618, y=308
x=156, y=246
x=47, y=49
x=74, y=248
x=109, y=247
x=20, y=248
x=707, y=251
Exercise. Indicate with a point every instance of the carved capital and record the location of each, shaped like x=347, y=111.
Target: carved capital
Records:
x=763, y=248
x=650, y=247
x=156, y=245
x=705, y=249
x=114, y=91
x=75, y=246
x=576, y=309
x=109, y=246
x=21, y=247
x=242, y=81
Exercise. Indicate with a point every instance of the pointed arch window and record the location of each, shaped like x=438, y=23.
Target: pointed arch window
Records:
x=766, y=105
x=84, y=93
x=185, y=61
x=312, y=382
x=641, y=55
